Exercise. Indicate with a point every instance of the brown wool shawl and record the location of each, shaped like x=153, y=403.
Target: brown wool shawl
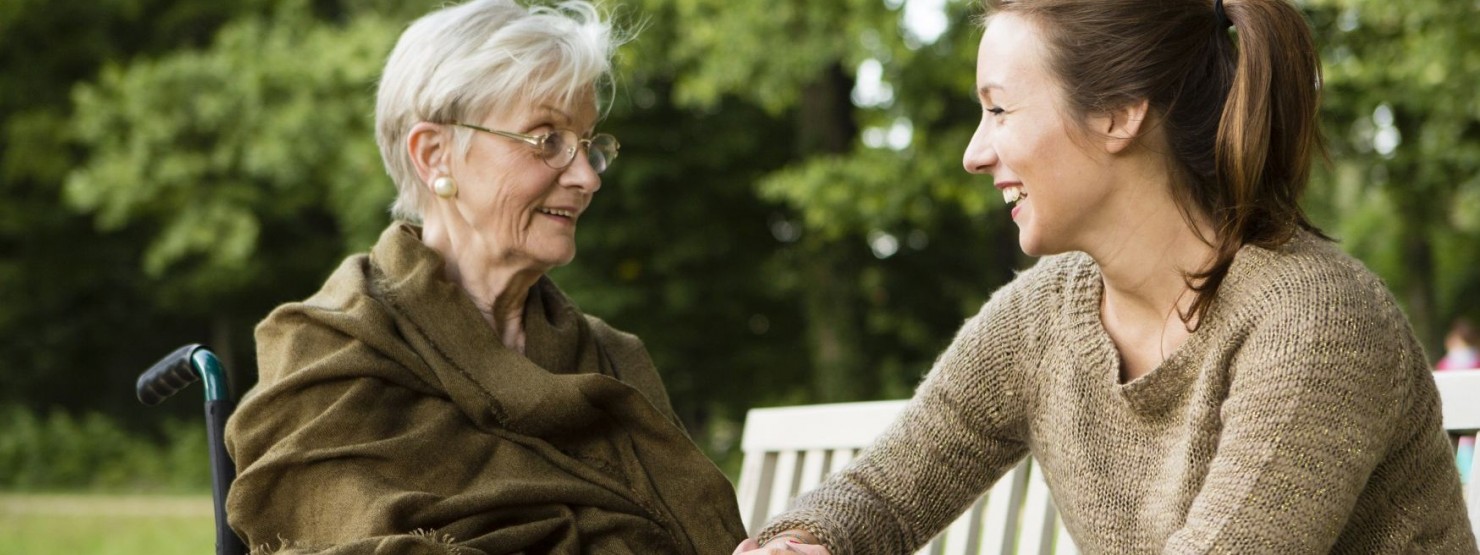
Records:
x=389, y=418
x=1301, y=417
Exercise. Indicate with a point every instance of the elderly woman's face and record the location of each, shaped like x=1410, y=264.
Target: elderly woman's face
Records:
x=524, y=208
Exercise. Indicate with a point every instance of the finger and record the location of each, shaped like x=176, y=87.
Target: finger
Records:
x=747, y=545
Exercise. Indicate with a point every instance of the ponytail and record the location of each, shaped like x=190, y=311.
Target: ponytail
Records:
x=1266, y=136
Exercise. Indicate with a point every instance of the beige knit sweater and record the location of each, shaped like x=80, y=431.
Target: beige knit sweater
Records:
x=1300, y=417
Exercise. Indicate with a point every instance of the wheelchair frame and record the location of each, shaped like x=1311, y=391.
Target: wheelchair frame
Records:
x=176, y=371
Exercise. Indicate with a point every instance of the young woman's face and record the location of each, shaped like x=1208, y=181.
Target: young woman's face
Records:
x=1034, y=151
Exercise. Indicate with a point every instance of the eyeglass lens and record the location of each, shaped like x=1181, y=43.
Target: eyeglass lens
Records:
x=560, y=148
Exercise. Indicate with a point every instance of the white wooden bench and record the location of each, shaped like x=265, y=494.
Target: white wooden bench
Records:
x=1460, y=392
x=789, y=450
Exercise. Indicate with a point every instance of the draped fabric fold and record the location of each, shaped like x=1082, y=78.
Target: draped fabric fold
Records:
x=389, y=418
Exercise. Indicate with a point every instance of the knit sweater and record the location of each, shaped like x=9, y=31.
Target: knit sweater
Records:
x=1300, y=417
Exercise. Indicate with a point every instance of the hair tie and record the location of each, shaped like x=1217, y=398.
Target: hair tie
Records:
x=1223, y=21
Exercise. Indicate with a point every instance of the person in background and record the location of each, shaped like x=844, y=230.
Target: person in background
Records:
x=440, y=394
x=1461, y=348
x=1193, y=366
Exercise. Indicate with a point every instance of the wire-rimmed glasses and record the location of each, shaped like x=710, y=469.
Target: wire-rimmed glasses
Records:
x=558, y=148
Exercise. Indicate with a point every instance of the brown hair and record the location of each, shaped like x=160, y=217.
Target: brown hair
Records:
x=1239, y=114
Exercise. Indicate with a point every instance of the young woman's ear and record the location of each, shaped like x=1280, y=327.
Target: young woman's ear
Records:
x=1124, y=124
x=430, y=147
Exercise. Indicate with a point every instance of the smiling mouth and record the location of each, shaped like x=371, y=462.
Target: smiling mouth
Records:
x=1013, y=194
x=558, y=212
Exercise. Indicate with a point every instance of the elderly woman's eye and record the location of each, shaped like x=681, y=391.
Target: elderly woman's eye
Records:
x=552, y=144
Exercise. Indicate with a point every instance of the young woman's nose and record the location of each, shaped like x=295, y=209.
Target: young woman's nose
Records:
x=980, y=156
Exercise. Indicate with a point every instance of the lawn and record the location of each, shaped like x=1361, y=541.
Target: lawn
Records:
x=86, y=524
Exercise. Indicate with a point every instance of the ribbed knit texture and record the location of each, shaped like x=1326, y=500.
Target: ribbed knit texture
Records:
x=1300, y=417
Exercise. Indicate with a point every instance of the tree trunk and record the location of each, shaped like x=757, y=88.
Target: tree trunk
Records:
x=831, y=297
x=221, y=345
x=833, y=331
x=1419, y=292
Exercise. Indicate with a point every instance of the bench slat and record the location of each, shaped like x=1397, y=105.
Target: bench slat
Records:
x=783, y=482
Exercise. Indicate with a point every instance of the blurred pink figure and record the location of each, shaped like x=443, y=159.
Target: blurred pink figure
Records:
x=1460, y=352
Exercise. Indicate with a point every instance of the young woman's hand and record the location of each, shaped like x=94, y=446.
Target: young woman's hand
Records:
x=782, y=543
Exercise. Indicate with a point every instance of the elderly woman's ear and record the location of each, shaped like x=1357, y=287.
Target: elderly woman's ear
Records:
x=430, y=146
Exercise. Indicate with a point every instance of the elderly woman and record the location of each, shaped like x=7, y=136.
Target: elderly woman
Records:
x=1192, y=365
x=440, y=394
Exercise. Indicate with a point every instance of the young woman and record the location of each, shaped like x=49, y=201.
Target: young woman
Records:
x=1193, y=366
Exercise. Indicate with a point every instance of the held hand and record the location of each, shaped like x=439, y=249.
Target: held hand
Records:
x=778, y=545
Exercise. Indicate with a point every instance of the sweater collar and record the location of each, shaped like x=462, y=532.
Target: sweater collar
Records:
x=1158, y=389
x=1164, y=385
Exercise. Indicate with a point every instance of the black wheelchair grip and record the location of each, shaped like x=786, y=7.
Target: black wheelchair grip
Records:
x=168, y=376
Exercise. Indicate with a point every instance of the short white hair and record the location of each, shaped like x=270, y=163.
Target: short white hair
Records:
x=466, y=61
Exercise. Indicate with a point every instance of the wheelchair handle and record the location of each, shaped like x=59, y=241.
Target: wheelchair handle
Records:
x=178, y=370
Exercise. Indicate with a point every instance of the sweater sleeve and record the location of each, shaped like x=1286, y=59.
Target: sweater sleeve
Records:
x=1314, y=397
x=964, y=428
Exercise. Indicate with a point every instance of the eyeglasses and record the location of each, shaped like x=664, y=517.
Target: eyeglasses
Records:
x=558, y=148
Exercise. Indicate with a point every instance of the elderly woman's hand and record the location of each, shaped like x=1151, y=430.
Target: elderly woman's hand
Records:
x=790, y=541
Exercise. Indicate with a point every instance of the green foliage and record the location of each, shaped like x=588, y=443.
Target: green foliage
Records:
x=877, y=218
x=174, y=168
x=878, y=188
x=60, y=451
x=73, y=306
x=1403, y=118
x=216, y=145
x=763, y=51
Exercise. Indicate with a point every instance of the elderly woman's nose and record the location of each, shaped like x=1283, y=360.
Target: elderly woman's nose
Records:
x=580, y=174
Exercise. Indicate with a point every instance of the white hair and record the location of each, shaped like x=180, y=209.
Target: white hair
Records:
x=466, y=61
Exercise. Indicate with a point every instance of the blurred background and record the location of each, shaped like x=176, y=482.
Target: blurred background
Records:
x=789, y=222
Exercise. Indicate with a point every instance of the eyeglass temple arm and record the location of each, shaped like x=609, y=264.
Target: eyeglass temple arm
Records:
x=533, y=141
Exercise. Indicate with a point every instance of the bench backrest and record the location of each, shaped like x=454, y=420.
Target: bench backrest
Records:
x=1459, y=391
x=789, y=450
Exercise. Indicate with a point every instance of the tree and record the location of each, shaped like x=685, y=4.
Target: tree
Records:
x=251, y=164
x=876, y=229
x=1403, y=118
x=72, y=306
x=789, y=221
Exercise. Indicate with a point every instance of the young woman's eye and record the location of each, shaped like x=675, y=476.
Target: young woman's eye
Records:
x=996, y=110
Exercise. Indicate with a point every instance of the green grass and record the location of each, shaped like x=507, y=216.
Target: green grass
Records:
x=86, y=524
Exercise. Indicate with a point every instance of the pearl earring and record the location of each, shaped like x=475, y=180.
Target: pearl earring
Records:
x=444, y=187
